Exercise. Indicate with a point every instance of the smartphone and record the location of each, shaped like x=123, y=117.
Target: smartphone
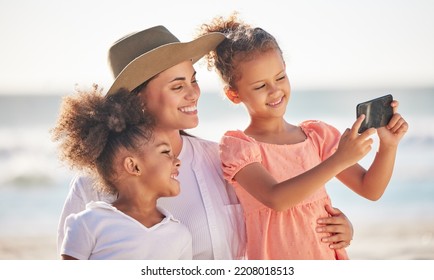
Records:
x=378, y=112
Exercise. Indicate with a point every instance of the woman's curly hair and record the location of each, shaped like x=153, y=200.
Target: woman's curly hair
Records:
x=242, y=43
x=91, y=129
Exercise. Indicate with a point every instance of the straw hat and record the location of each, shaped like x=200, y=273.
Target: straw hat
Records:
x=139, y=56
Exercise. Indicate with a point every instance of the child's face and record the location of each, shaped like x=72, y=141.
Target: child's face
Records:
x=172, y=97
x=264, y=86
x=159, y=167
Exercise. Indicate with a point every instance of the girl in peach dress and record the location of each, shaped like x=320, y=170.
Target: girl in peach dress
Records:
x=278, y=169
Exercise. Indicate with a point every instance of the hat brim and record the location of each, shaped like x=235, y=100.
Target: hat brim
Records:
x=159, y=59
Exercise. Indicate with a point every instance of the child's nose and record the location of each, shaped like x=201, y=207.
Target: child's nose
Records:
x=176, y=162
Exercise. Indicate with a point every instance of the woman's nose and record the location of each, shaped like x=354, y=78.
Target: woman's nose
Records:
x=193, y=93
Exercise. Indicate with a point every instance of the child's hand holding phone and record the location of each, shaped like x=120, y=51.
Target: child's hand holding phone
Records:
x=382, y=113
x=378, y=112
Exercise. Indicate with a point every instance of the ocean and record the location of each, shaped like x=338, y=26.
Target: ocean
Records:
x=34, y=184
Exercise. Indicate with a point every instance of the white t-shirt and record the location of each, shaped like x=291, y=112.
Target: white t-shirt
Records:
x=211, y=210
x=101, y=232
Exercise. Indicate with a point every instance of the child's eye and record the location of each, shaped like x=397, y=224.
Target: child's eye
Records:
x=259, y=87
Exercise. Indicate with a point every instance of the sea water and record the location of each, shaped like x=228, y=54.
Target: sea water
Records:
x=34, y=184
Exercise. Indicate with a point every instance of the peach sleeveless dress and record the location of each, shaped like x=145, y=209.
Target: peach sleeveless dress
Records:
x=288, y=234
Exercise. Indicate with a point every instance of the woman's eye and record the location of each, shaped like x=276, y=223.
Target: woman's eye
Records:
x=281, y=78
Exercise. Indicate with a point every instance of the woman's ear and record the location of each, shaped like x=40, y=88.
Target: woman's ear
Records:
x=232, y=95
x=131, y=166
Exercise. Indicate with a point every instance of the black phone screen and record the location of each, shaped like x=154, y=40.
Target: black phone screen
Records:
x=378, y=112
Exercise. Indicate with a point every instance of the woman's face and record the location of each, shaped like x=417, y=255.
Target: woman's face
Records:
x=172, y=97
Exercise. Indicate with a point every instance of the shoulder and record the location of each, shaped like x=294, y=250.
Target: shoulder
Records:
x=205, y=152
x=325, y=137
x=236, y=138
x=200, y=142
x=83, y=188
x=236, y=151
x=316, y=124
x=94, y=211
x=319, y=128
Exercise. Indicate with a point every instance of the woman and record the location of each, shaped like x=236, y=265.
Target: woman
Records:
x=154, y=64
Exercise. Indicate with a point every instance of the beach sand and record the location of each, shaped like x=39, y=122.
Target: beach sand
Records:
x=32, y=247
x=410, y=241
x=407, y=241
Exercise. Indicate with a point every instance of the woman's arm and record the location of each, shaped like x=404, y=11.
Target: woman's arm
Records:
x=338, y=226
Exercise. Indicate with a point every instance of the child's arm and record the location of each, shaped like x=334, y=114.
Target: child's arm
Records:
x=282, y=195
x=371, y=184
x=67, y=257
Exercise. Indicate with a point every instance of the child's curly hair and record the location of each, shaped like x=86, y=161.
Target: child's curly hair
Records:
x=91, y=129
x=242, y=43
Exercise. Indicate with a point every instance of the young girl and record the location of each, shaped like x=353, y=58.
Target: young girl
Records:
x=114, y=139
x=274, y=165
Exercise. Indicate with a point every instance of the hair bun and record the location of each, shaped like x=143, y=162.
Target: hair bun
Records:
x=116, y=119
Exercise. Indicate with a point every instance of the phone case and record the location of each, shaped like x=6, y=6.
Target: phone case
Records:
x=378, y=112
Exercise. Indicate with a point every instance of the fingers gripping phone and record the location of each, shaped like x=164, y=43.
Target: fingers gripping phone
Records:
x=378, y=112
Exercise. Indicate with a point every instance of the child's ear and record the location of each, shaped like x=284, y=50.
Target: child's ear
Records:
x=131, y=166
x=232, y=95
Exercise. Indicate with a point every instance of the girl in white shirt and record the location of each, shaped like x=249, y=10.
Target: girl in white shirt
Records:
x=113, y=139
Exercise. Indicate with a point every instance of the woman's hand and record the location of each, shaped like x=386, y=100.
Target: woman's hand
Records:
x=338, y=225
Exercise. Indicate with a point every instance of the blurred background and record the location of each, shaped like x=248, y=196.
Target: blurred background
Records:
x=338, y=53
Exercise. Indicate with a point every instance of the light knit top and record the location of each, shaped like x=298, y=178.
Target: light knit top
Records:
x=288, y=234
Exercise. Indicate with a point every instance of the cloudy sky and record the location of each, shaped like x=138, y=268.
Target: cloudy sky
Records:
x=48, y=46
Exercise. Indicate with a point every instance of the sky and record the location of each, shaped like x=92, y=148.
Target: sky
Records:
x=50, y=46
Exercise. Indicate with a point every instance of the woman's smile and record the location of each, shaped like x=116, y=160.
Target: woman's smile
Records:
x=189, y=109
